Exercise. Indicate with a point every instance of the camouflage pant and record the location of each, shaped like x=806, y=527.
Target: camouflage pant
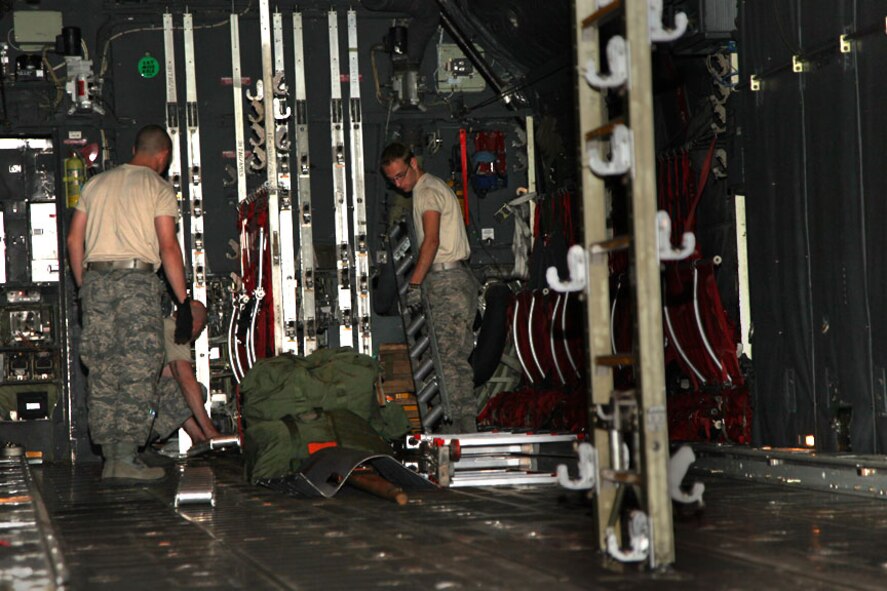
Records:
x=122, y=345
x=171, y=408
x=452, y=295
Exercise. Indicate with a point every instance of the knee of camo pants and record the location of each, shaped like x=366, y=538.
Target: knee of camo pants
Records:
x=172, y=410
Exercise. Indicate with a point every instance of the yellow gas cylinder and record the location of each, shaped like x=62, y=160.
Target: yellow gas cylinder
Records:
x=75, y=176
x=457, y=190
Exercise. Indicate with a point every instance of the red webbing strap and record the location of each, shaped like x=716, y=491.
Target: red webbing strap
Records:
x=720, y=331
x=463, y=147
x=265, y=329
x=566, y=203
x=501, y=162
x=686, y=195
x=252, y=216
x=700, y=186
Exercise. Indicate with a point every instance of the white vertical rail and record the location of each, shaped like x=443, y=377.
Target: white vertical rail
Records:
x=237, y=85
x=195, y=187
x=172, y=121
x=358, y=196
x=343, y=244
x=282, y=116
x=742, y=260
x=307, y=310
x=272, y=178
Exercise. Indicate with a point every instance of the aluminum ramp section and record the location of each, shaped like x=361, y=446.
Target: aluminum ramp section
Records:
x=30, y=557
x=196, y=486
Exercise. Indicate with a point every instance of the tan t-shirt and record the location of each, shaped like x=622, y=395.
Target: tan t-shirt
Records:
x=172, y=350
x=432, y=194
x=121, y=205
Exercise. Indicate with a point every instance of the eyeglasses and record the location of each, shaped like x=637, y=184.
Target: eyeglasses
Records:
x=400, y=176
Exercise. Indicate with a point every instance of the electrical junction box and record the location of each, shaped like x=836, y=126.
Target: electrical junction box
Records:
x=44, y=243
x=455, y=72
x=35, y=29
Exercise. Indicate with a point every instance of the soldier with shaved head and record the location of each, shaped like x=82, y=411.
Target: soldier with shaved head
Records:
x=122, y=231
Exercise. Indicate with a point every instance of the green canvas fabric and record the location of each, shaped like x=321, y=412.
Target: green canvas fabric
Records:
x=353, y=432
x=328, y=379
x=272, y=389
x=274, y=449
x=290, y=402
x=267, y=450
x=392, y=422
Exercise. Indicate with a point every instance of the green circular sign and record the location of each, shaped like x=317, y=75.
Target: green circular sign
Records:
x=149, y=66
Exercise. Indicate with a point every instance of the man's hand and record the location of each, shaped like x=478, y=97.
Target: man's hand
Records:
x=414, y=296
x=184, y=322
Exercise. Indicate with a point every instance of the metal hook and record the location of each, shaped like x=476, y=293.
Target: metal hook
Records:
x=666, y=251
x=620, y=154
x=617, y=59
x=678, y=465
x=657, y=32
x=576, y=265
x=639, y=534
x=587, y=465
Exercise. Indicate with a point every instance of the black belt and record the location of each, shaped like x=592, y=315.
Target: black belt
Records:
x=436, y=267
x=134, y=264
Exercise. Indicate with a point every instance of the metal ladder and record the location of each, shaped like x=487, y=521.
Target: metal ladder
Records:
x=431, y=391
x=633, y=420
x=195, y=257
x=344, y=247
x=307, y=313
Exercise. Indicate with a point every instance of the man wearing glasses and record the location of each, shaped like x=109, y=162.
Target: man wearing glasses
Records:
x=442, y=271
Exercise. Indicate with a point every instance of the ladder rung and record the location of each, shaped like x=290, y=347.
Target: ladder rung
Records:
x=604, y=130
x=423, y=370
x=601, y=13
x=620, y=476
x=613, y=244
x=427, y=392
x=614, y=360
x=432, y=417
x=420, y=347
x=415, y=325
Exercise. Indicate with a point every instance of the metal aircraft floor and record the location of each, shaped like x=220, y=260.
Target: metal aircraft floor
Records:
x=748, y=536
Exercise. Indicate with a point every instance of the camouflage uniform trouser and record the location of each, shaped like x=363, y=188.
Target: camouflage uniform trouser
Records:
x=172, y=410
x=122, y=345
x=452, y=295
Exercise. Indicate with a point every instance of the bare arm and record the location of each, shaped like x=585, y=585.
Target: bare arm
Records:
x=428, y=248
x=76, y=248
x=183, y=372
x=171, y=255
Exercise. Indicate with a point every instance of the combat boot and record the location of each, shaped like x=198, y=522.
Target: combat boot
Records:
x=109, y=453
x=122, y=464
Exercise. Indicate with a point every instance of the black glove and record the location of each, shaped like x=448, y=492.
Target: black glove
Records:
x=414, y=296
x=184, y=322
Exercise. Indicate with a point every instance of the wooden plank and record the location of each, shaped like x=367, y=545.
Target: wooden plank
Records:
x=600, y=14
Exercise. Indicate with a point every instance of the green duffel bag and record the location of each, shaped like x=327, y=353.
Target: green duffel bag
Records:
x=273, y=449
